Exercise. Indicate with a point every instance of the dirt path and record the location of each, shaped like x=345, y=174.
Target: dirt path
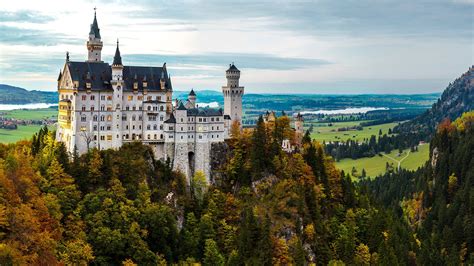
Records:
x=397, y=161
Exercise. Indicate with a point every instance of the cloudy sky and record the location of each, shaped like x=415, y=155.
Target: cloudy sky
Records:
x=321, y=46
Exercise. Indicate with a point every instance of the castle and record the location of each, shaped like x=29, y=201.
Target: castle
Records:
x=105, y=106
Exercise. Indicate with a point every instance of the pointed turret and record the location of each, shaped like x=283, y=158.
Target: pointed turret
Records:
x=94, y=44
x=117, y=57
x=95, y=31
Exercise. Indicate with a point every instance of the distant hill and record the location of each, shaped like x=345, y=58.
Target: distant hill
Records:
x=15, y=95
x=456, y=99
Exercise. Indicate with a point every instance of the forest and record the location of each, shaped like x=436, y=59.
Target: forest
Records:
x=268, y=207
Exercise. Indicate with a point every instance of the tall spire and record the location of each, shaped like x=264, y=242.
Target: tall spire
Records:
x=117, y=57
x=95, y=26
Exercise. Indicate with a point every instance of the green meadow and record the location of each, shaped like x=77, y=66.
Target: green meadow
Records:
x=376, y=165
x=31, y=114
x=324, y=132
x=22, y=133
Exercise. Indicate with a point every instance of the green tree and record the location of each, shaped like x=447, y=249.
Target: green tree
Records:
x=212, y=257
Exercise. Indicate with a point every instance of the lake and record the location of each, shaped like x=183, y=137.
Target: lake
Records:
x=357, y=110
x=9, y=107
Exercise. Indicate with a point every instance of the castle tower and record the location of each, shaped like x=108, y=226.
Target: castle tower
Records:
x=192, y=99
x=94, y=44
x=117, y=86
x=233, y=94
x=299, y=121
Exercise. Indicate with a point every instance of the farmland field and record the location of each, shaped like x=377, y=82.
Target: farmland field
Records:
x=31, y=114
x=376, y=165
x=324, y=132
x=14, y=135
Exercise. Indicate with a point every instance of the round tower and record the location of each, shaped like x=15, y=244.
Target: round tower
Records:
x=94, y=44
x=233, y=93
x=192, y=98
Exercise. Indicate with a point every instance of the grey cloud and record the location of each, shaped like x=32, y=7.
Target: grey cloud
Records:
x=24, y=16
x=407, y=18
x=15, y=35
x=243, y=60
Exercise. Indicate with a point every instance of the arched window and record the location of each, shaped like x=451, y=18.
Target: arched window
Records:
x=154, y=127
x=102, y=118
x=134, y=118
x=148, y=127
x=83, y=108
x=94, y=118
x=161, y=108
x=149, y=108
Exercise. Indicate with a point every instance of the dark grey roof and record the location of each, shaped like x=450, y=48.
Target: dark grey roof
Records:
x=181, y=106
x=60, y=75
x=171, y=120
x=232, y=67
x=206, y=111
x=227, y=117
x=191, y=93
x=95, y=28
x=101, y=75
x=117, y=57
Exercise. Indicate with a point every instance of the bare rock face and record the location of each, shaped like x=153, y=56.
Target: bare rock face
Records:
x=218, y=157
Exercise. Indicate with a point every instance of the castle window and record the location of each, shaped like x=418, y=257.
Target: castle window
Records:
x=182, y=129
x=161, y=118
x=217, y=119
x=83, y=128
x=130, y=97
x=109, y=137
x=200, y=119
x=161, y=136
x=161, y=108
x=92, y=97
x=109, y=127
x=126, y=127
x=94, y=118
x=140, y=108
x=148, y=136
x=109, y=97
x=154, y=127
x=139, y=126
x=212, y=119
x=134, y=108
x=127, y=108
x=154, y=136
x=133, y=127
x=102, y=128
x=95, y=137
x=83, y=119
x=95, y=127
x=161, y=127
x=109, y=107
x=148, y=127
x=92, y=108
x=139, y=118
x=134, y=118
x=102, y=118
x=102, y=107
x=200, y=136
x=102, y=137
x=102, y=98
x=182, y=120
x=149, y=98
x=140, y=98
x=205, y=119
x=149, y=108
x=124, y=117
x=155, y=108
x=127, y=136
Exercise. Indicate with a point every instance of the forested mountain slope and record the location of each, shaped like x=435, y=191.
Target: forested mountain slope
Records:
x=437, y=201
x=456, y=99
